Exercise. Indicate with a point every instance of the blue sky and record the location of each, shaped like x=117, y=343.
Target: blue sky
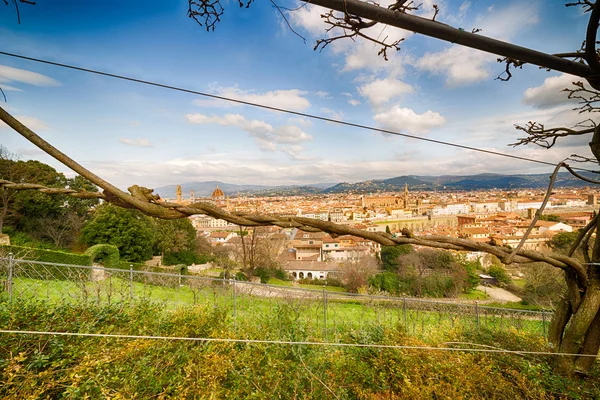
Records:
x=134, y=134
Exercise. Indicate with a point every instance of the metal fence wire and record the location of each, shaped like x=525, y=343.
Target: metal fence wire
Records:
x=302, y=314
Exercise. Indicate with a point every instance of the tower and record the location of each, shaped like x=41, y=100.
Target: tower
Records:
x=406, y=195
x=178, y=193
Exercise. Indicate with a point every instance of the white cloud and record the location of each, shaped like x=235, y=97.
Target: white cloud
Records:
x=337, y=115
x=309, y=18
x=10, y=74
x=32, y=123
x=139, y=142
x=291, y=99
x=461, y=65
x=382, y=91
x=266, y=136
x=550, y=93
x=405, y=119
x=323, y=95
x=354, y=102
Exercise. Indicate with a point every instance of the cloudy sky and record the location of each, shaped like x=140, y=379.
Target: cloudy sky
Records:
x=130, y=133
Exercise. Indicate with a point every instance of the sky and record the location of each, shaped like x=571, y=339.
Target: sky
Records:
x=129, y=133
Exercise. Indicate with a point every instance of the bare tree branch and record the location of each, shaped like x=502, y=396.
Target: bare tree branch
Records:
x=546, y=137
x=205, y=12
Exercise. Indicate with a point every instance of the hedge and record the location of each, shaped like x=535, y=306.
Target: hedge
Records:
x=45, y=271
x=107, y=253
x=50, y=256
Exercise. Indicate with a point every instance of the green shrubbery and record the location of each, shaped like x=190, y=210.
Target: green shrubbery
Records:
x=105, y=254
x=92, y=367
x=50, y=256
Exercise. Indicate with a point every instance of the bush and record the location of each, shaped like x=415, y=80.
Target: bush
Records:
x=387, y=282
x=105, y=254
x=265, y=273
x=44, y=271
x=49, y=256
x=186, y=257
x=499, y=273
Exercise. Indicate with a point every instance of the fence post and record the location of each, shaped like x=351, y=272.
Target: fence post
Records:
x=477, y=312
x=234, y=307
x=404, y=313
x=130, y=281
x=9, y=280
x=324, y=313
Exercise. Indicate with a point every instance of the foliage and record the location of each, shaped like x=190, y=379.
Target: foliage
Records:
x=389, y=255
x=266, y=273
x=498, y=272
x=386, y=281
x=563, y=241
x=472, y=269
x=55, y=218
x=79, y=367
x=187, y=257
x=544, y=285
x=355, y=274
x=105, y=254
x=50, y=256
x=177, y=238
x=129, y=230
x=550, y=217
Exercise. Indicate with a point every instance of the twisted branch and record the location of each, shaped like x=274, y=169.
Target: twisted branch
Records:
x=544, y=137
x=353, y=26
x=150, y=204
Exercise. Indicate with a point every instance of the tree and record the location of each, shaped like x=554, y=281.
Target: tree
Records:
x=129, y=230
x=176, y=239
x=575, y=327
x=356, y=274
x=389, y=256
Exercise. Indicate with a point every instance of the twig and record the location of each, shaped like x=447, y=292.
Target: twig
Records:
x=286, y=21
x=316, y=377
x=538, y=212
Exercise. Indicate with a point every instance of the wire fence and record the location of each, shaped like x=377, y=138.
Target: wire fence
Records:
x=302, y=314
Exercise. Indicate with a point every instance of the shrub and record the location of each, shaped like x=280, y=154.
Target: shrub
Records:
x=499, y=273
x=105, y=254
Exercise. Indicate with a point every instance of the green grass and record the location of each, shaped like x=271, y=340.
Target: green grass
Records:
x=252, y=309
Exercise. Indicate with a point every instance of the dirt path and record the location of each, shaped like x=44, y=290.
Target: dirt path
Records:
x=498, y=294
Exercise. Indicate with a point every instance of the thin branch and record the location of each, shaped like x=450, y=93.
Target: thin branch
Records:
x=583, y=178
x=352, y=27
x=538, y=212
x=205, y=12
x=546, y=137
x=286, y=20
x=80, y=194
x=317, y=378
x=582, y=234
x=506, y=75
x=587, y=97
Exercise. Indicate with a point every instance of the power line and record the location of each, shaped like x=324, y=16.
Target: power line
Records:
x=299, y=343
x=301, y=114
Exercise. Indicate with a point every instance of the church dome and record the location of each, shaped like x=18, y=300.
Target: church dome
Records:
x=218, y=193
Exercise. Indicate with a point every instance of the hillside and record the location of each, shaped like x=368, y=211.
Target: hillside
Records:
x=414, y=182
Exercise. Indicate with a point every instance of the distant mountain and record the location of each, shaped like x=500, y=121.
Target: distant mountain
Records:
x=205, y=189
x=396, y=184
